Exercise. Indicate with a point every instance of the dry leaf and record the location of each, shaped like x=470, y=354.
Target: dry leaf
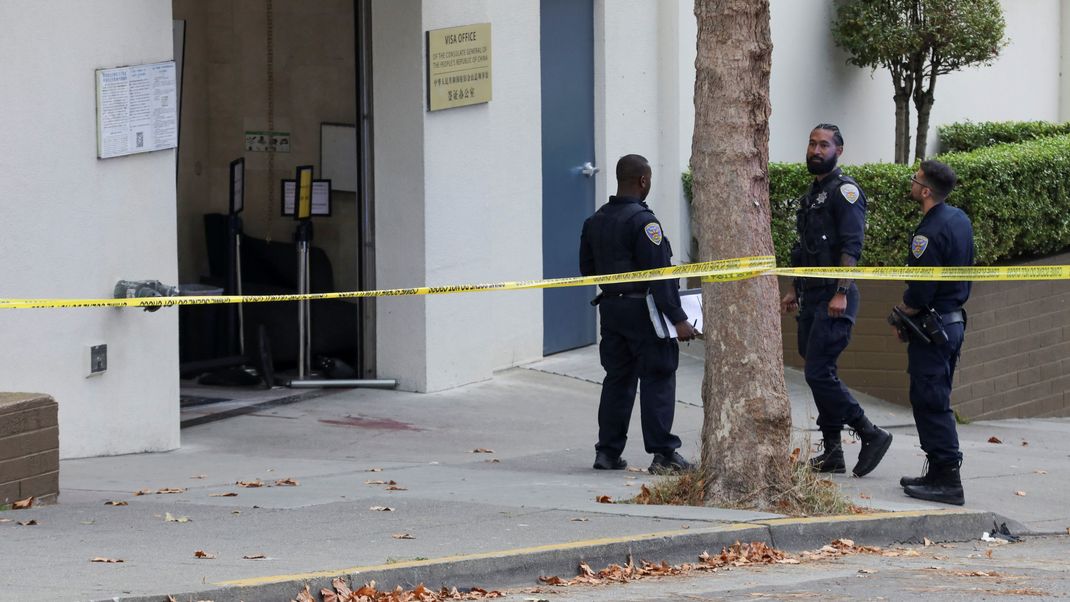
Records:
x=27, y=523
x=396, y=488
x=143, y=492
x=105, y=560
x=988, y=553
x=402, y=536
x=482, y=450
x=994, y=439
x=116, y=503
x=227, y=494
x=604, y=499
x=864, y=496
x=1040, y=471
x=636, y=469
x=288, y=482
x=381, y=509
x=170, y=518
x=254, y=557
x=304, y=596
x=374, y=470
x=493, y=461
x=1019, y=493
x=867, y=571
x=199, y=476
x=250, y=484
x=170, y=490
x=204, y=555
x=928, y=542
x=583, y=520
x=8, y=520
x=23, y=504
x=1025, y=444
x=377, y=482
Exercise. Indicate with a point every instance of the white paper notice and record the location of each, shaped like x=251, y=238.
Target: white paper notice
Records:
x=691, y=303
x=136, y=109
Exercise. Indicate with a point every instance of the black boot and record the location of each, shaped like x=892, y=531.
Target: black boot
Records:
x=875, y=443
x=832, y=458
x=926, y=476
x=944, y=486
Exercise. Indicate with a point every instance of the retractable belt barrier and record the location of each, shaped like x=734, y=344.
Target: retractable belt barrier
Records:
x=726, y=270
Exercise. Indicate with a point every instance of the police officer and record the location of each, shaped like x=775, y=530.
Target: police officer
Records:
x=624, y=236
x=831, y=222
x=943, y=238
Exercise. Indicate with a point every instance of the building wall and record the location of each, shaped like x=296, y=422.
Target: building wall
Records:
x=226, y=93
x=1015, y=360
x=74, y=225
x=458, y=198
x=1064, y=73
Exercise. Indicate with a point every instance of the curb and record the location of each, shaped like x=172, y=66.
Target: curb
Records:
x=523, y=566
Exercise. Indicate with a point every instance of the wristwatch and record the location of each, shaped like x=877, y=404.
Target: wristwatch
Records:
x=842, y=290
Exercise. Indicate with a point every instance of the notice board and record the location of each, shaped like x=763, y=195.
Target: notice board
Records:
x=137, y=109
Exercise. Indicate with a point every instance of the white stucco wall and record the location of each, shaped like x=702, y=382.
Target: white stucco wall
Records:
x=74, y=225
x=812, y=83
x=468, y=182
x=1064, y=75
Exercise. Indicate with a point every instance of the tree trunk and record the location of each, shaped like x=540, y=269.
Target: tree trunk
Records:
x=746, y=433
x=902, y=128
x=923, y=103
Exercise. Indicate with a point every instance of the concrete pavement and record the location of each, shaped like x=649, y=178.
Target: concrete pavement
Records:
x=475, y=519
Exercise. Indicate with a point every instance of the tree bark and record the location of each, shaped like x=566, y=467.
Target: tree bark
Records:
x=924, y=99
x=902, y=127
x=746, y=433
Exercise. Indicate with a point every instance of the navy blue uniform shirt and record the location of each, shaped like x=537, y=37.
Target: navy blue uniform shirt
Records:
x=831, y=222
x=943, y=238
x=624, y=236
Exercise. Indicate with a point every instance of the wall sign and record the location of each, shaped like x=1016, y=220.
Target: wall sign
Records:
x=458, y=66
x=267, y=142
x=136, y=109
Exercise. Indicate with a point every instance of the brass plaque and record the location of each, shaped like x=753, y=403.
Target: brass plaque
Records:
x=458, y=66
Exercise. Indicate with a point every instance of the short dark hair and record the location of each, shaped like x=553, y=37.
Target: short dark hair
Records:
x=940, y=178
x=837, y=137
x=632, y=167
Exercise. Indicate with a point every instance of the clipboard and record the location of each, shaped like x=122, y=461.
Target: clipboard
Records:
x=690, y=302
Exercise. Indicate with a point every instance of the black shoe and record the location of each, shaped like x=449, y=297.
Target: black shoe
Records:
x=831, y=460
x=875, y=443
x=926, y=476
x=944, y=486
x=669, y=464
x=604, y=461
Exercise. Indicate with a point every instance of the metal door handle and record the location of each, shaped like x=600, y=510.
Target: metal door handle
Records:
x=589, y=169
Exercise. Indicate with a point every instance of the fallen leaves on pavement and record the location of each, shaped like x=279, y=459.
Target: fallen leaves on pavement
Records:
x=116, y=503
x=402, y=536
x=23, y=504
x=379, y=482
x=227, y=494
x=370, y=593
x=381, y=509
x=605, y=499
x=482, y=450
x=203, y=555
x=171, y=518
x=250, y=484
x=1019, y=493
x=288, y=482
x=27, y=523
x=163, y=491
x=254, y=557
x=396, y=488
x=374, y=470
x=106, y=560
x=994, y=439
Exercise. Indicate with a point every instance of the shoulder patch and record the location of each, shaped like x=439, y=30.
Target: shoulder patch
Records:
x=653, y=232
x=851, y=193
x=918, y=246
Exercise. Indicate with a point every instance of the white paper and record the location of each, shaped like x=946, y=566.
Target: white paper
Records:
x=321, y=197
x=136, y=109
x=692, y=306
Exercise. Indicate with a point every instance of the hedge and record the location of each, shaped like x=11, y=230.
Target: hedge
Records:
x=969, y=136
x=1017, y=195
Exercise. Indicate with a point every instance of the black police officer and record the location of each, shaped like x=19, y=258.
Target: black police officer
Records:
x=943, y=238
x=624, y=236
x=831, y=222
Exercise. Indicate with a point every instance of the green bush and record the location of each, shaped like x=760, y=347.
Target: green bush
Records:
x=1017, y=195
x=969, y=136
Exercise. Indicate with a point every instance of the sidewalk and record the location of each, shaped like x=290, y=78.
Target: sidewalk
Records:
x=476, y=519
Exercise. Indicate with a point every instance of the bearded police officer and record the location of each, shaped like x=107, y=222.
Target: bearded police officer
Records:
x=624, y=236
x=943, y=238
x=831, y=226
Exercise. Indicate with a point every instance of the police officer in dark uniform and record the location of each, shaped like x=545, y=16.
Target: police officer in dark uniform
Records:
x=943, y=238
x=831, y=222
x=624, y=236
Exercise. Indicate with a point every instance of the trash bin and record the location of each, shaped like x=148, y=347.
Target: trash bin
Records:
x=202, y=329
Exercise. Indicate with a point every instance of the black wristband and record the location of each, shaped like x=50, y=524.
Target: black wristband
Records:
x=842, y=289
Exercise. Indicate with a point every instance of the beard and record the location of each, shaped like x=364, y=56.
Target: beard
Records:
x=818, y=167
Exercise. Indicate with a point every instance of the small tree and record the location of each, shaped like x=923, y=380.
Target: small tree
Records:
x=918, y=41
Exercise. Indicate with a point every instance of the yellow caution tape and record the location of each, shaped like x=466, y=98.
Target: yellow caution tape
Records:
x=726, y=270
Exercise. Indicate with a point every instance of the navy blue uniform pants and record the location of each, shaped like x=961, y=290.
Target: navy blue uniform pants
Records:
x=633, y=355
x=932, y=368
x=821, y=341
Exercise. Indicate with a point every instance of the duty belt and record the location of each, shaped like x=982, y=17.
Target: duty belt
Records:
x=626, y=295
x=953, y=317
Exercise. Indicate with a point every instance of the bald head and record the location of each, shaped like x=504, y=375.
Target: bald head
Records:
x=633, y=176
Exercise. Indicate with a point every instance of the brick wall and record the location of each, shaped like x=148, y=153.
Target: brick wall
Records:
x=1015, y=361
x=29, y=448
